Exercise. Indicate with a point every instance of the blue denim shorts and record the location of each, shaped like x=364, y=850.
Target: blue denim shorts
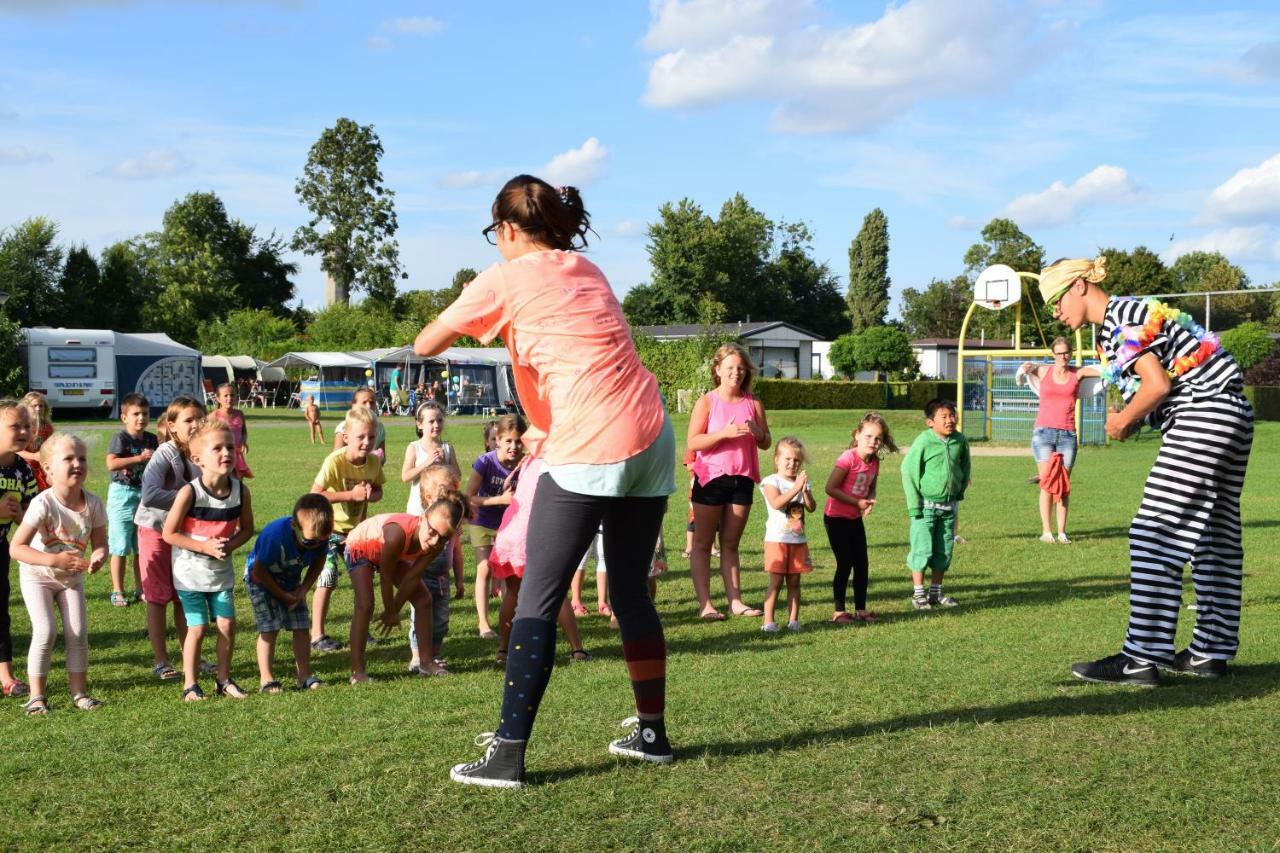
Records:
x=1046, y=441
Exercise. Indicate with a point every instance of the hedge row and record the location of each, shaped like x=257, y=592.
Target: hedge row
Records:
x=1265, y=400
x=815, y=394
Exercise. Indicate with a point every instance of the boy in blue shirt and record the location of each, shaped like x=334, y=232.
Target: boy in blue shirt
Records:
x=277, y=590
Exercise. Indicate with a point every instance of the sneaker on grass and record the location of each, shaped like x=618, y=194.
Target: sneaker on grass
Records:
x=920, y=603
x=326, y=644
x=941, y=600
x=1117, y=669
x=770, y=628
x=1187, y=662
x=646, y=742
x=501, y=767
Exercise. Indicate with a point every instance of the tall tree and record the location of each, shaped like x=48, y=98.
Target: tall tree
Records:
x=810, y=296
x=1208, y=271
x=353, y=218
x=79, y=290
x=30, y=266
x=128, y=286
x=868, y=294
x=250, y=331
x=938, y=310
x=195, y=260
x=1139, y=272
x=264, y=279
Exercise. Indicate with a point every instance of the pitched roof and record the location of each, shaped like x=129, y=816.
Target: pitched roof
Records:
x=742, y=330
x=954, y=343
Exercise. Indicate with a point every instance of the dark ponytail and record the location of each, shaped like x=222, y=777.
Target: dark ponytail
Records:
x=551, y=216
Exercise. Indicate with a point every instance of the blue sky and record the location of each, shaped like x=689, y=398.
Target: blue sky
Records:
x=1090, y=123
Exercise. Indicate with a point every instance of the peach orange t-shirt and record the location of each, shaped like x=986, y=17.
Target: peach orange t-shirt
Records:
x=577, y=372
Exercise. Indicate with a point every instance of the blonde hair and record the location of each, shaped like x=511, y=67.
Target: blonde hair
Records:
x=1061, y=340
x=208, y=428
x=36, y=400
x=794, y=443
x=431, y=473
x=46, y=449
x=358, y=415
x=886, y=437
x=724, y=352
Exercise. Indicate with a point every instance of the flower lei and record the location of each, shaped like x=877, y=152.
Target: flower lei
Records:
x=1133, y=342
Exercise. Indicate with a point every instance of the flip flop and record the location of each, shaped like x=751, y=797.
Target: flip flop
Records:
x=749, y=611
x=712, y=616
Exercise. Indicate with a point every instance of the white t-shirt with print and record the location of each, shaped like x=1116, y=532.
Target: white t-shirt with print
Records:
x=59, y=529
x=780, y=524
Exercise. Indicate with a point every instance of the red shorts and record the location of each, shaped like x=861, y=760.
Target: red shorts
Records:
x=781, y=558
x=155, y=560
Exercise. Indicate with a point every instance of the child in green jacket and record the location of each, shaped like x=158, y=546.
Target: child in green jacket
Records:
x=935, y=474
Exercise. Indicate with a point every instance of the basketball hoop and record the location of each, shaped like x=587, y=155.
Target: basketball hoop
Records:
x=997, y=287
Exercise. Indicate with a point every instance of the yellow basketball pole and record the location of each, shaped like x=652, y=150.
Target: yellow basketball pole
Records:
x=964, y=336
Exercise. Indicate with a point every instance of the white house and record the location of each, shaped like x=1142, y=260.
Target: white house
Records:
x=938, y=357
x=781, y=350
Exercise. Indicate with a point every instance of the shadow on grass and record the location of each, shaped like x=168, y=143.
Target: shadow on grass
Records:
x=1244, y=683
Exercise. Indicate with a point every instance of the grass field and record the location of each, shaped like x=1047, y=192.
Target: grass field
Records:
x=956, y=729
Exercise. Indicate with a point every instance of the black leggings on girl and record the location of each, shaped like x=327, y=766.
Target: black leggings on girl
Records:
x=848, y=540
x=560, y=528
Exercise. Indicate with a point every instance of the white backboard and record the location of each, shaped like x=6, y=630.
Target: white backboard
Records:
x=997, y=287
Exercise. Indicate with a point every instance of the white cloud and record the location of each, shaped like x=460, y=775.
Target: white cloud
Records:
x=1250, y=195
x=378, y=43
x=414, y=26
x=156, y=163
x=825, y=79
x=629, y=228
x=1060, y=203
x=1253, y=243
x=576, y=167
x=470, y=179
x=16, y=155
x=695, y=23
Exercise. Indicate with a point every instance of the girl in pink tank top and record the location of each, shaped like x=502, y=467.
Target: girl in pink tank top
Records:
x=727, y=430
x=1053, y=439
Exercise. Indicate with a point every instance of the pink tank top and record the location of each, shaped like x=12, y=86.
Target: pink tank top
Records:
x=1058, y=402
x=735, y=457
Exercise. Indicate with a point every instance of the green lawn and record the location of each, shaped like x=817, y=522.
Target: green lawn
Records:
x=946, y=729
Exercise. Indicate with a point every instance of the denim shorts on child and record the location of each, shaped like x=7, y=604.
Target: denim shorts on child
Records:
x=932, y=538
x=336, y=558
x=270, y=614
x=440, y=592
x=122, y=533
x=1046, y=441
x=201, y=608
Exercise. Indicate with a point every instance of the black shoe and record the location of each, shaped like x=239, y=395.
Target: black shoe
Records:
x=1187, y=662
x=1117, y=669
x=501, y=767
x=647, y=742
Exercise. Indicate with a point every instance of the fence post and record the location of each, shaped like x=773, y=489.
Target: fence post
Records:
x=1208, y=327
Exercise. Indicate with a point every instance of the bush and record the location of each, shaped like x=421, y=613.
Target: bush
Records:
x=818, y=394
x=12, y=381
x=680, y=364
x=842, y=357
x=1249, y=344
x=1265, y=400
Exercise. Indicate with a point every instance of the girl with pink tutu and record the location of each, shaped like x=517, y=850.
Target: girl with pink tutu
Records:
x=507, y=559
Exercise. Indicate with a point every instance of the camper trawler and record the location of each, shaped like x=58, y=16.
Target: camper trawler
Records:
x=73, y=368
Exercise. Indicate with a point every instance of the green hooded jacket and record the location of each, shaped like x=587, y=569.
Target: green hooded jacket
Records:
x=935, y=469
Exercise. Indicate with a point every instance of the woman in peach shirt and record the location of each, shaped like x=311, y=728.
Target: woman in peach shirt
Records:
x=607, y=448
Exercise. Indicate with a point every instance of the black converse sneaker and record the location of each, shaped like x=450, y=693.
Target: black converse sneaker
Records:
x=647, y=742
x=1187, y=662
x=1117, y=669
x=501, y=767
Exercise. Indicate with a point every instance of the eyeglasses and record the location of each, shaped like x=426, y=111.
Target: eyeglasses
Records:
x=305, y=543
x=1062, y=355
x=491, y=233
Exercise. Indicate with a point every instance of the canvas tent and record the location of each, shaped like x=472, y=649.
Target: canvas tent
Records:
x=156, y=366
x=331, y=377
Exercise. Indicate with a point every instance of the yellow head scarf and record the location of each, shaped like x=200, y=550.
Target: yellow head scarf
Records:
x=1056, y=278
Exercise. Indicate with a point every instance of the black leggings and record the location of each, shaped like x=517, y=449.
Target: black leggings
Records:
x=561, y=525
x=6, y=638
x=849, y=543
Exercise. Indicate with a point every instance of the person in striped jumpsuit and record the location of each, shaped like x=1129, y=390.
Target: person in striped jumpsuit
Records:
x=1175, y=377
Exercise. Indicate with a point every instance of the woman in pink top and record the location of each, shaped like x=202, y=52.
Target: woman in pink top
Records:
x=726, y=432
x=1055, y=429
x=608, y=455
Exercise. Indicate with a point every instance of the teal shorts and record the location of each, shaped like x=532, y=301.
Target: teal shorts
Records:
x=932, y=539
x=201, y=608
x=122, y=533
